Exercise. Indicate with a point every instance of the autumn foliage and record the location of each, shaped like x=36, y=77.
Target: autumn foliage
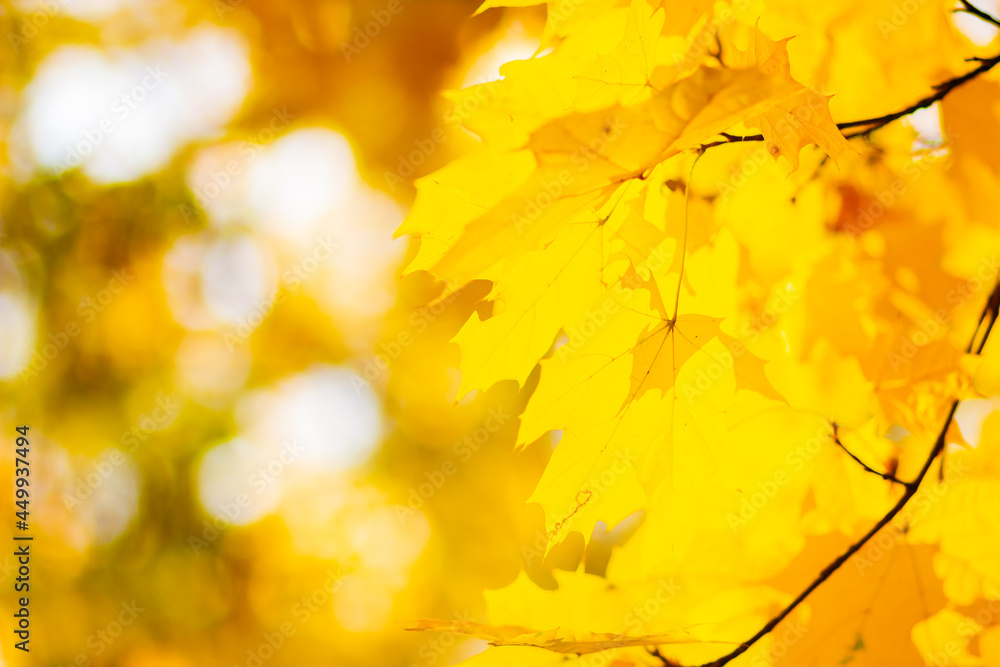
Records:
x=541, y=333
x=746, y=295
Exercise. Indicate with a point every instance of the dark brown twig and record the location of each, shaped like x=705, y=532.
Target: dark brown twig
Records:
x=989, y=314
x=942, y=90
x=730, y=139
x=872, y=124
x=969, y=8
x=884, y=475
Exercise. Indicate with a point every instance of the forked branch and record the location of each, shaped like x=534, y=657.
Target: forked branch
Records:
x=889, y=477
x=989, y=317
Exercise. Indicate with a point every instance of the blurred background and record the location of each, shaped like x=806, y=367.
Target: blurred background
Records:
x=245, y=443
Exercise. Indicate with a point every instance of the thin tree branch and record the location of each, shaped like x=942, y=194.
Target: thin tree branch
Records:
x=991, y=311
x=655, y=652
x=942, y=90
x=730, y=139
x=989, y=314
x=884, y=475
x=872, y=124
x=969, y=8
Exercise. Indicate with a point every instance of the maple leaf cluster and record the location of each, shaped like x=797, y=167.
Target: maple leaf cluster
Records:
x=749, y=327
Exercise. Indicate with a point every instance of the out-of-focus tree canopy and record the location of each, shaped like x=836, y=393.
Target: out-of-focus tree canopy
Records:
x=198, y=305
x=606, y=332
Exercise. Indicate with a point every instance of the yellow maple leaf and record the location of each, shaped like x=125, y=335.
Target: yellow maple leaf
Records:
x=804, y=118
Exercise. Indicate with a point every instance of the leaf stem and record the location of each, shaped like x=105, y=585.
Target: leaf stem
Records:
x=687, y=209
